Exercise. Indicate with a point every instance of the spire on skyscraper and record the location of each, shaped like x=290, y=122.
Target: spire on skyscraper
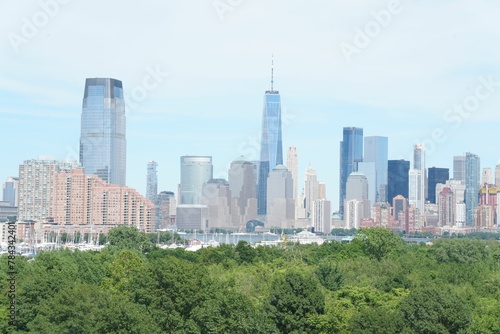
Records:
x=272, y=73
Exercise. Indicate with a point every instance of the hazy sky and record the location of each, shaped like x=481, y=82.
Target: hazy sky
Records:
x=414, y=71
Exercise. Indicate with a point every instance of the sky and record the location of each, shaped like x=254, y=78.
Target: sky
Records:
x=194, y=75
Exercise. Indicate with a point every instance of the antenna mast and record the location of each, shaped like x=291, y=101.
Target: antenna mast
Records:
x=272, y=72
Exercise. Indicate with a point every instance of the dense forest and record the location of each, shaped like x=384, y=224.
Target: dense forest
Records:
x=375, y=284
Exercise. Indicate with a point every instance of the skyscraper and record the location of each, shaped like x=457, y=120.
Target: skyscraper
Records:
x=271, y=150
x=196, y=171
x=280, y=198
x=419, y=168
x=472, y=178
x=152, y=182
x=103, y=145
x=486, y=176
x=11, y=191
x=397, y=179
x=351, y=153
x=242, y=179
x=292, y=165
x=459, y=168
x=376, y=151
x=311, y=190
x=436, y=175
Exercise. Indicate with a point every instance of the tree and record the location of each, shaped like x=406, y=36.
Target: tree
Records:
x=88, y=309
x=377, y=242
x=128, y=237
x=294, y=297
x=376, y=320
x=459, y=250
x=435, y=310
x=246, y=253
x=330, y=275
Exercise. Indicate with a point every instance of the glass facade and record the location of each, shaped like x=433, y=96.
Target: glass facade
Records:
x=397, y=179
x=472, y=179
x=436, y=175
x=196, y=171
x=376, y=150
x=271, y=151
x=351, y=153
x=103, y=143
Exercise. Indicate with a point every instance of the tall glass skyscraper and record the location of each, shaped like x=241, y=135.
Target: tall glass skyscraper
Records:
x=397, y=179
x=472, y=179
x=376, y=151
x=271, y=149
x=103, y=144
x=351, y=153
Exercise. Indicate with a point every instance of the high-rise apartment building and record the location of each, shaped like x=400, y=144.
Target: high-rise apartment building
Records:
x=103, y=144
x=152, y=182
x=419, y=170
x=195, y=172
x=497, y=175
x=36, y=186
x=351, y=153
x=10, y=191
x=311, y=190
x=321, y=215
x=487, y=176
x=447, y=207
x=436, y=175
x=85, y=199
x=397, y=179
x=472, y=179
x=271, y=149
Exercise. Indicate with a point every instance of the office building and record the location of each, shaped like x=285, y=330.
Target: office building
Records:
x=271, y=150
x=357, y=189
x=435, y=176
x=376, y=150
x=242, y=177
x=293, y=166
x=103, y=144
x=397, y=179
x=217, y=196
x=351, y=153
x=281, y=208
x=459, y=168
x=10, y=191
x=195, y=173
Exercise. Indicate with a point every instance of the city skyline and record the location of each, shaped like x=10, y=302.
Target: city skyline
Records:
x=407, y=93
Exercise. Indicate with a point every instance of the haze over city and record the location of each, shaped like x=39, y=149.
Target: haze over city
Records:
x=203, y=69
